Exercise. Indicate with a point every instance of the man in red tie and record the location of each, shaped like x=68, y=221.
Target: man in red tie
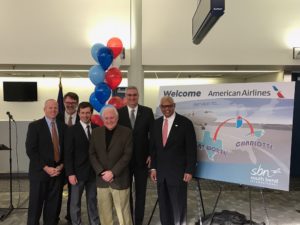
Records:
x=173, y=154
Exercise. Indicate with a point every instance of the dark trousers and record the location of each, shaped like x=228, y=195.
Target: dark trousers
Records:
x=45, y=196
x=68, y=215
x=140, y=177
x=91, y=202
x=172, y=203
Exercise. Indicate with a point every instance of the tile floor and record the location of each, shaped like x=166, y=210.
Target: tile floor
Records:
x=278, y=207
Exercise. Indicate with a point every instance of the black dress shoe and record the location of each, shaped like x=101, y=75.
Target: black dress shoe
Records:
x=68, y=218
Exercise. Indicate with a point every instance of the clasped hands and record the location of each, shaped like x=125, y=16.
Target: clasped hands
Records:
x=53, y=171
x=107, y=176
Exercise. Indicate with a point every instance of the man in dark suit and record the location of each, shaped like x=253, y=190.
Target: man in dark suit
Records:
x=173, y=155
x=110, y=153
x=44, y=147
x=140, y=119
x=69, y=117
x=78, y=168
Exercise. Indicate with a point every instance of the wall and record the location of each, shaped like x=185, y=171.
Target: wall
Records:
x=48, y=88
x=256, y=32
x=60, y=31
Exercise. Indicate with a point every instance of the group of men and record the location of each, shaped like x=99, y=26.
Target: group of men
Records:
x=107, y=161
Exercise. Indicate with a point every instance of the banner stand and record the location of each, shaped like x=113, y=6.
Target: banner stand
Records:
x=265, y=207
x=250, y=206
x=200, y=199
x=211, y=216
x=208, y=220
x=153, y=210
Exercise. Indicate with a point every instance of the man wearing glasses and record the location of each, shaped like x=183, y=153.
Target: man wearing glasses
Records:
x=69, y=117
x=139, y=119
x=173, y=155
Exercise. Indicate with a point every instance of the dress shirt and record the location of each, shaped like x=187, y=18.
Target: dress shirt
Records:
x=84, y=126
x=135, y=111
x=73, y=117
x=170, y=122
x=48, y=120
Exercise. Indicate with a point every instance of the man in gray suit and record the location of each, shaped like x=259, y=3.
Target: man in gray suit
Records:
x=110, y=153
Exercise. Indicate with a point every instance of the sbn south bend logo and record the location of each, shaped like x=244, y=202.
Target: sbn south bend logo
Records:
x=239, y=121
x=278, y=92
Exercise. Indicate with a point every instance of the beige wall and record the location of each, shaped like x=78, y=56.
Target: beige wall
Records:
x=48, y=88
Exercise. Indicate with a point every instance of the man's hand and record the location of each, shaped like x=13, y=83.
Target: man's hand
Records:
x=107, y=176
x=187, y=177
x=153, y=175
x=60, y=167
x=148, y=161
x=73, y=179
x=51, y=171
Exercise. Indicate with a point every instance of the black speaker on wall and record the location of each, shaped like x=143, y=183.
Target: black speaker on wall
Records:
x=19, y=91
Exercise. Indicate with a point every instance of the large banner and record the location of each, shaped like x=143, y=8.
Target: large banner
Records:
x=244, y=131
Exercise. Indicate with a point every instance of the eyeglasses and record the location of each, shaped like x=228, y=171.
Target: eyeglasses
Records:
x=71, y=103
x=166, y=106
x=131, y=95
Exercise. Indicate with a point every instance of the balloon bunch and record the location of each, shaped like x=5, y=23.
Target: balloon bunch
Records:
x=104, y=77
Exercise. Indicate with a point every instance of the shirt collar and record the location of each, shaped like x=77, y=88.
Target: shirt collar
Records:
x=135, y=108
x=171, y=117
x=68, y=115
x=84, y=125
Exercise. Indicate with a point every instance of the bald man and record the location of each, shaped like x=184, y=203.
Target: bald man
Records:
x=173, y=154
x=44, y=147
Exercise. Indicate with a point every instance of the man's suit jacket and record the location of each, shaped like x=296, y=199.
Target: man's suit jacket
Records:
x=77, y=160
x=179, y=154
x=115, y=158
x=140, y=133
x=39, y=148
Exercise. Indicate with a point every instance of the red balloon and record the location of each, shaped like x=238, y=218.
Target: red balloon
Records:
x=116, y=45
x=113, y=77
x=116, y=101
x=96, y=119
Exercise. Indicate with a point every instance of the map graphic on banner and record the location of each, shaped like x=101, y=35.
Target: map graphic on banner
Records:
x=244, y=131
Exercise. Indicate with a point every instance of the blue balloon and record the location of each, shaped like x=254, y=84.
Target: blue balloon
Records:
x=96, y=74
x=95, y=49
x=102, y=92
x=95, y=103
x=105, y=57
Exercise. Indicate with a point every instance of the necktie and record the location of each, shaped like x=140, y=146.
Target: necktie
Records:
x=165, y=132
x=55, y=142
x=70, y=123
x=88, y=131
x=132, y=118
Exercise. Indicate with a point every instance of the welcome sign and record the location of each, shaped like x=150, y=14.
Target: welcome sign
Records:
x=244, y=131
